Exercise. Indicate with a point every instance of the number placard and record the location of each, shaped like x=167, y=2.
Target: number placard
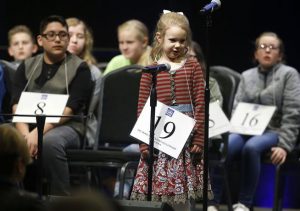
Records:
x=33, y=103
x=251, y=119
x=172, y=128
x=218, y=122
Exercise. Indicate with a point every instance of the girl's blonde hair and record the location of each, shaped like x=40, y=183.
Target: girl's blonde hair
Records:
x=86, y=53
x=137, y=27
x=166, y=21
x=142, y=34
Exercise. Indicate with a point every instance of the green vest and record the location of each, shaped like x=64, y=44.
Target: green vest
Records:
x=57, y=84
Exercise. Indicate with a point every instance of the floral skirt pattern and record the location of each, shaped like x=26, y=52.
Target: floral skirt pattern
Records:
x=174, y=180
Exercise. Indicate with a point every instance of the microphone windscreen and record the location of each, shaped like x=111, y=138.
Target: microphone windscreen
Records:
x=168, y=66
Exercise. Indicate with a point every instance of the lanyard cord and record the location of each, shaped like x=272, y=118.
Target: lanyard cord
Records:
x=34, y=69
x=31, y=74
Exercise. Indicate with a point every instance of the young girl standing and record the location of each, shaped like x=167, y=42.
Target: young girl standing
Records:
x=174, y=180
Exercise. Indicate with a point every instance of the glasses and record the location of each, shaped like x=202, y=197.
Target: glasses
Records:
x=51, y=36
x=265, y=46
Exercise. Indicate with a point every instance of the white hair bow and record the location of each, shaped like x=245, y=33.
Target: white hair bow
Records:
x=168, y=11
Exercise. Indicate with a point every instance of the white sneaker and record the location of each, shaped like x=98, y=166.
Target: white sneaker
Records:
x=240, y=207
x=212, y=208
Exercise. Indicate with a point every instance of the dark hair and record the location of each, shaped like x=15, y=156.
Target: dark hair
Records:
x=199, y=54
x=12, y=147
x=50, y=19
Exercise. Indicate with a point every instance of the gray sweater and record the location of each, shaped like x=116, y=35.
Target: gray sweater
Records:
x=280, y=86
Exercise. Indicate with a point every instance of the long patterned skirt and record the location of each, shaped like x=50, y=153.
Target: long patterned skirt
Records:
x=174, y=180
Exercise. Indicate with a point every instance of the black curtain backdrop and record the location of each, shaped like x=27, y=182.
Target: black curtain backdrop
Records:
x=235, y=25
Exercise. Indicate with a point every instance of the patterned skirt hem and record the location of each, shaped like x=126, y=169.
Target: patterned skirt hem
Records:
x=180, y=198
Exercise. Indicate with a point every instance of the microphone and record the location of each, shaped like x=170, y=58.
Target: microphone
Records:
x=157, y=68
x=213, y=5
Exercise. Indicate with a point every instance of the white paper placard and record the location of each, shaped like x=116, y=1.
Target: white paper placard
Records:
x=218, y=122
x=171, y=132
x=251, y=119
x=33, y=103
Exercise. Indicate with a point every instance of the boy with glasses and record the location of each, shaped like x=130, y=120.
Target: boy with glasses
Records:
x=55, y=71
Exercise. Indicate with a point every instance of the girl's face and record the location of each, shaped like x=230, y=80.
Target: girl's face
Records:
x=174, y=43
x=130, y=46
x=268, y=53
x=77, y=39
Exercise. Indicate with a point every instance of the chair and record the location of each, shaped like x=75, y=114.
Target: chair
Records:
x=228, y=81
x=291, y=164
x=117, y=109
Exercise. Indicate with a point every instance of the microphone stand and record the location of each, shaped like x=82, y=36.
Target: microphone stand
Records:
x=208, y=19
x=153, y=103
x=206, y=113
x=40, y=124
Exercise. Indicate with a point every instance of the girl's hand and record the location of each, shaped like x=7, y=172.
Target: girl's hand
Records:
x=278, y=155
x=145, y=154
x=32, y=142
x=144, y=151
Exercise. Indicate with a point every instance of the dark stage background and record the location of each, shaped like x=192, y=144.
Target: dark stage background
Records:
x=235, y=25
x=234, y=28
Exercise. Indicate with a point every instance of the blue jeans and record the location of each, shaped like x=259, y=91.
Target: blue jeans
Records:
x=130, y=173
x=248, y=149
x=55, y=163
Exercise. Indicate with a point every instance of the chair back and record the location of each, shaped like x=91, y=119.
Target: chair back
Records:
x=118, y=101
x=228, y=81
